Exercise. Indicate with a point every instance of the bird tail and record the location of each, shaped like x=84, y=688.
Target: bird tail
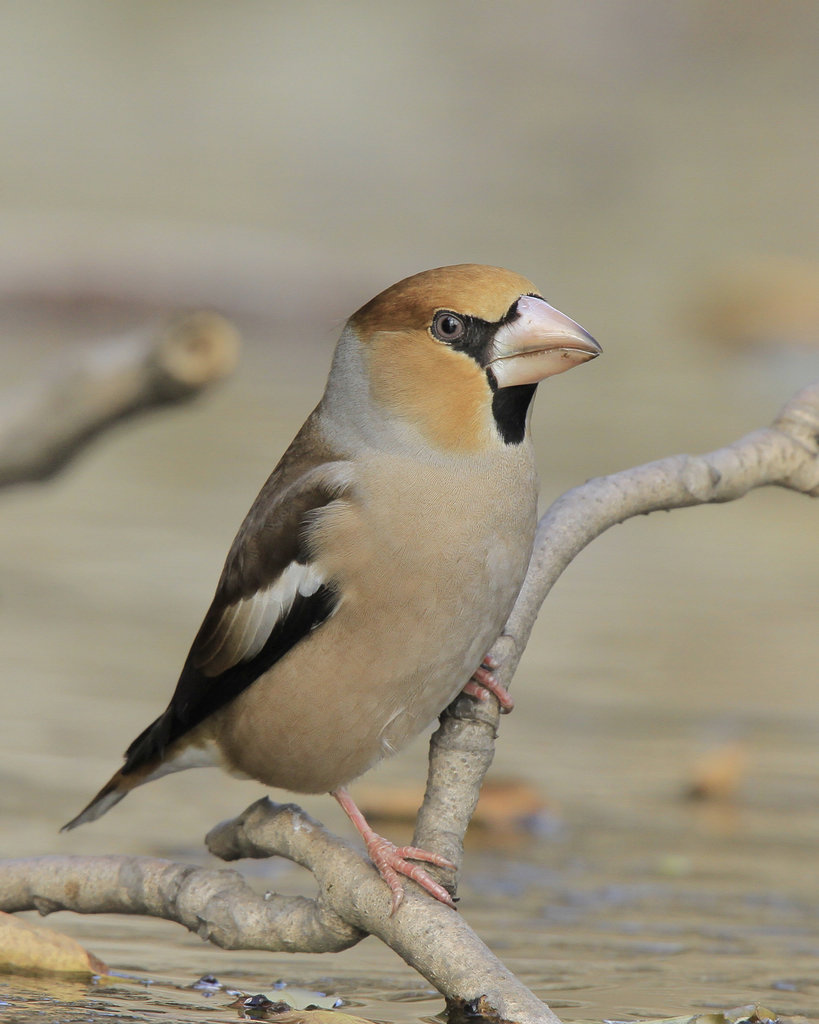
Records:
x=143, y=759
x=149, y=757
x=118, y=786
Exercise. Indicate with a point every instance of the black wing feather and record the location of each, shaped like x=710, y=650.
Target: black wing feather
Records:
x=198, y=695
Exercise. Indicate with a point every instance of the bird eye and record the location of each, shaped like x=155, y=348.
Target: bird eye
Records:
x=447, y=327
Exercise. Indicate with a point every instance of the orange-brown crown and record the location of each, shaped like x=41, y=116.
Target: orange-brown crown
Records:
x=468, y=288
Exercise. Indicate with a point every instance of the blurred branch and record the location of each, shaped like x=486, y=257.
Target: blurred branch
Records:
x=352, y=899
x=43, y=427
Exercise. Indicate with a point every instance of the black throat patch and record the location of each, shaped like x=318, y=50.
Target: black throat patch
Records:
x=510, y=407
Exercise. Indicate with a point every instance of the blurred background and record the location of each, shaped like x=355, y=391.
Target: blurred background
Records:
x=653, y=168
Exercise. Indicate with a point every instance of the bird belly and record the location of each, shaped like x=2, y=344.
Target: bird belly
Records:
x=408, y=633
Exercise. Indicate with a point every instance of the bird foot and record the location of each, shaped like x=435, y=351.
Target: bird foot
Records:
x=483, y=683
x=392, y=861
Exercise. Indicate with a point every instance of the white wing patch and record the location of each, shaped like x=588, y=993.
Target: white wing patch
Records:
x=245, y=626
x=203, y=754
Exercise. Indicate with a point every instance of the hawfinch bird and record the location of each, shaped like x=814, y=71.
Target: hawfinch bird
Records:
x=382, y=557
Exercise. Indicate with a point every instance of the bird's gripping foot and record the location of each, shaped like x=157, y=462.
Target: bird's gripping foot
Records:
x=483, y=683
x=392, y=861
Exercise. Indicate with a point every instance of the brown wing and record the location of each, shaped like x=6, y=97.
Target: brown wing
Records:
x=270, y=597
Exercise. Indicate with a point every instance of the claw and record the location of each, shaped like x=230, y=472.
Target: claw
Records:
x=483, y=683
x=392, y=861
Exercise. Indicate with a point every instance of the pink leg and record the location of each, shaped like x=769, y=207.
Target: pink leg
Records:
x=483, y=683
x=391, y=861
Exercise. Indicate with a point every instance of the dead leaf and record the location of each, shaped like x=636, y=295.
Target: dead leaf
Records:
x=718, y=773
x=505, y=804
x=27, y=948
x=751, y=1014
x=767, y=301
x=304, y=998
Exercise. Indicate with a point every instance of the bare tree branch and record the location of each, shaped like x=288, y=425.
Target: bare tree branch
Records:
x=461, y=750
x=219, y=906
x=438, y=943
x=352, y=900
x=43, y=427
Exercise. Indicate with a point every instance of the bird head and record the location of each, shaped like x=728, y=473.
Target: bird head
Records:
x=457, y=353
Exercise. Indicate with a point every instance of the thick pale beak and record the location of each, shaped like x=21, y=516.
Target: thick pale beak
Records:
x=540, y=342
